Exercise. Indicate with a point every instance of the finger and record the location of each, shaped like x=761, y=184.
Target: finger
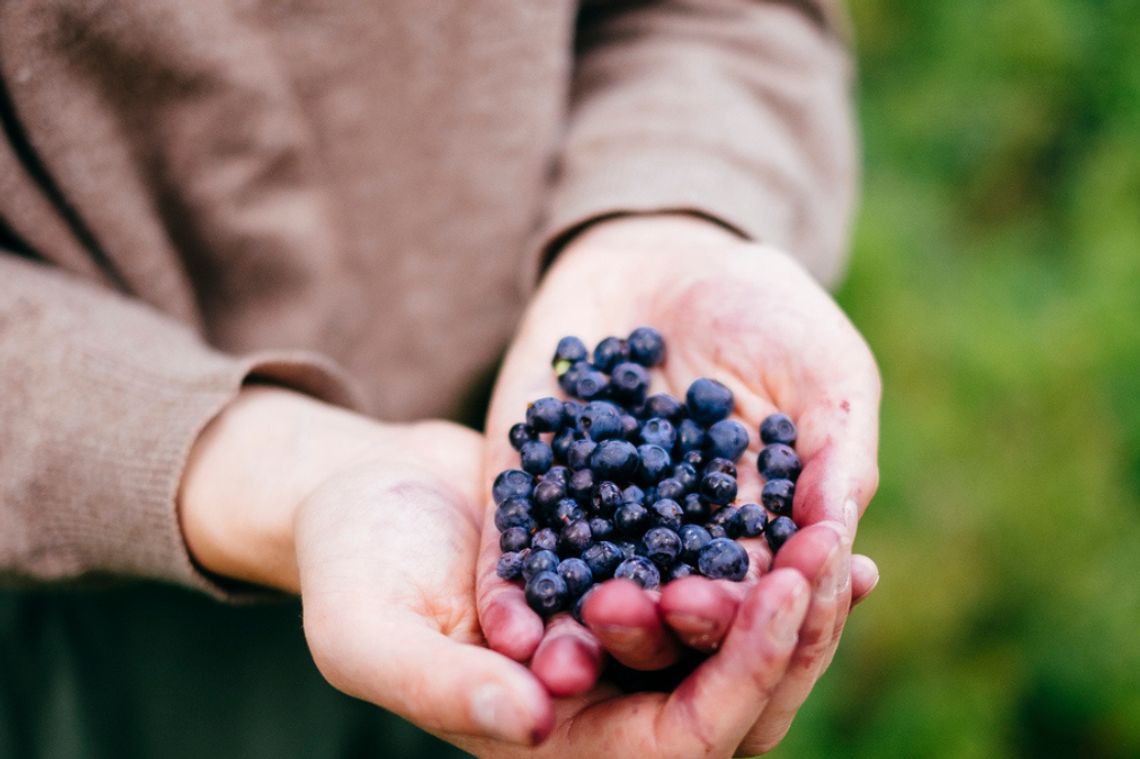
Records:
x=441, y=685
x=628, y=625
x=569, y=659
x=864, y=577
x=700, y=611
x=510, y=626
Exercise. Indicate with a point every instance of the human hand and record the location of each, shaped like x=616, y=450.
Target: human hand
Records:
x=750, y=317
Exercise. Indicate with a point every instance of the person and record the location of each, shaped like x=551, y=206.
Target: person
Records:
x=253, y=254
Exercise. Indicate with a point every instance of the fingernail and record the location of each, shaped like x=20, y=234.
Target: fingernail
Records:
x=496, y=715
x=851, y=515
x=837, y=574
x=621, y=636
x=785, y=623
x=691, y=623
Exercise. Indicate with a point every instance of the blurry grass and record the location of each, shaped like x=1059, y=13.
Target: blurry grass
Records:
x=997, y=277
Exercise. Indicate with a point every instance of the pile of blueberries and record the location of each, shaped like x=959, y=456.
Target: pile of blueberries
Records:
x=619, y=483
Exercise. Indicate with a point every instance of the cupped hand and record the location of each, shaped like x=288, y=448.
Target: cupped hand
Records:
x=750, y=317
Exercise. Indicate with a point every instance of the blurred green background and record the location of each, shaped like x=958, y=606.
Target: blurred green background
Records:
x=997, y=277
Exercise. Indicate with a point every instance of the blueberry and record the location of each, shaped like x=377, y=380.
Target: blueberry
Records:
x=778, y=462
x=777, y=496
x=576, y=537
x=546, y=593
x=509, y=566
x=601, y=528
x=614, y=460
x=557, y=473
x=694, y=458
x=670, y=488
x=778, y=532
x=666, y=512
x=536, y=456
x=679, y=570
x=570, y=350
x=629, y=382
x=633, y=494
x=544, y=415
x=514, y=512
x=693, y=539
x=658, y=431
x=603, y=558
x=571, y=409
x=537, y=562
x=718, y=487
x=664, y=406
x=548, y=493
x=629, y=427
x=708, y=401
x=662, y=545
x=727, y=439
x=716, y=530
x=514, y=539
x=778, y=428
x=696, y=509
x=646, y=346
x=720, y=465
x=581, y=603
x=577, y=576
x=748, y=521
x=654, y=463
x=591, y=385
x=690, y=436
x=581, y=486
x=723, y=517
x=686, y=475
x=545, y=539
x=723, y=559
x=601, y=421
x=511, y=483
x=606, y=497
x=628, y=549
x=561, y=443
x=578, y=454
x=610, y=352
x=519, y=434
x=566, y=511
x=640, y=570
x=630, y=518
x=568, y=380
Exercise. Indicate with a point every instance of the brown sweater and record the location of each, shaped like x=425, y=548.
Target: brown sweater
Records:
x=349, y=198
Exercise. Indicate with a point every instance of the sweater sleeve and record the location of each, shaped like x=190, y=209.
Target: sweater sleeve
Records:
x=101, y=400
x=736, y=110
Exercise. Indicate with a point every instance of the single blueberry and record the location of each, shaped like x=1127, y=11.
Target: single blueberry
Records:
x=708, y=401
x=630, y=518
x=691, y=436
x=581, y=486
x=654, y=463
x=544, y=415
x=566, y=511
x=537, y=562
x=693, y=539
x=606, y=497
x=546, y=593
x=748, y=521
x=641, y=570
x=666, y=512
x=662, y=545
x=686, y=475
x=519, y=434
x=561, y=443
x=570, y=350
x=629, y=382
x=577, y=576
x=603, y=558
x=723, y=559
x=633, y=494
x=614, y=460
x=601, y=528
x=509, y=566
x=545, y=539
x=536, y=456
x=591, y=385
x=514, y=539
x=778, y=462
x=718, y=487
x=511, y=483
x=578, y=454
x=610, y=352
x=548, y=493
x=723, y=516
x=601, y=421
x=580, y=604
x=777, y=496
x=778, y=532
x=694, y=458
x=671, y=488
x=646, y=346
x=628, y=549
x=716, y=530
x=568, y=380
x=696, y=508
x=778, y=428
x=514, y=512
x=658, y=431
x=679, y=570
x=664, y=406
x=576, y=537
x=727, y=439
x=720, y=465
x=629, y=428
x=571, y=410
x=557, y=473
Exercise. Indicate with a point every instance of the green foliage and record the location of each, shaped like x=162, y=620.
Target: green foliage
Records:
x=997, y=277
